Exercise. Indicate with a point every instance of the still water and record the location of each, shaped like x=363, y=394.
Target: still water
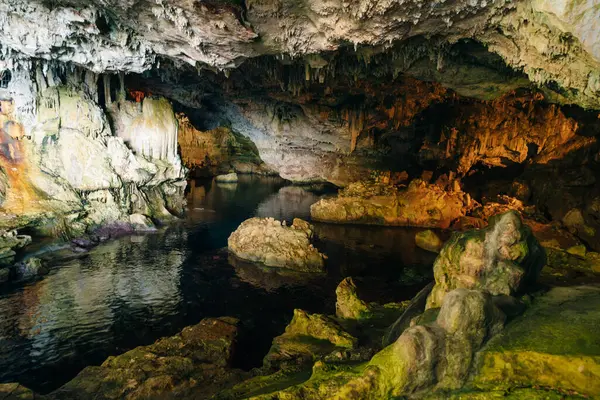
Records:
x=130, y=291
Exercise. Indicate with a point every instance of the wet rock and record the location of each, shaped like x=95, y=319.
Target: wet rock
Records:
x=192, y=364
x=501, y=259
x=270, y=242
x=429, y=240
x=553, y=345
x=348, y=304
x=349, y=307
x=418, y=205
x=30, y=268
x=4, y=274
x=141, y=223
x=9, y=242
x=228, y=178
x=306, y=338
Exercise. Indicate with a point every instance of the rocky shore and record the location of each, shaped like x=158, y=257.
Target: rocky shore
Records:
x=483, y=328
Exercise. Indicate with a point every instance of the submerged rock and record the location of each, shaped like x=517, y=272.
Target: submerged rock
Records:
x=418, y=205
x=270, y=242
x=228, y=178
x=30, y=268
x=500, y=259
x=429, y=240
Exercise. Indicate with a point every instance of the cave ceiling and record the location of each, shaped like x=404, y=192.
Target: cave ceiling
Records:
x=552, y=44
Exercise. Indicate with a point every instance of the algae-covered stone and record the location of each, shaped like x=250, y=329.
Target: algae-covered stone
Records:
x=193, y=364
x=429, y=240
x=348, y=304
x=501, y=259
x=555, y=345
x=270, y=242
x=30, y=268
x=308, y=336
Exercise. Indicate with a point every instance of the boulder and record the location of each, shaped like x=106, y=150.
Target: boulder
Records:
x=30, y=268
x=348, y=305
x=500, y=259
x=420, y=204
x=227, y=178
x=554, y=345
x=429, y=240
x=141, y=223
x=195, y=363
x=306, y=338
x=438, y=355
x=274, y=244
x=9, y=242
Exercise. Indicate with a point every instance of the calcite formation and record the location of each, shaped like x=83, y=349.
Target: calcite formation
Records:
x=272, y=243
x=500, y=259
x=70, y=164
x=417, y=205
x=549, y=40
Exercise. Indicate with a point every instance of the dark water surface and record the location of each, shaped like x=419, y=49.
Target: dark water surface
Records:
x=131, y=291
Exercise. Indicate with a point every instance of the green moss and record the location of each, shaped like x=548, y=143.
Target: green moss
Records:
x=555, y=344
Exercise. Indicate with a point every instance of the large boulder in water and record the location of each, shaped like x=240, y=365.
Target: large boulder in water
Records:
x=274, y=244
x=499, y=259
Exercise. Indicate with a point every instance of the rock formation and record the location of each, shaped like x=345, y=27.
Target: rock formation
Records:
x=500, y=259
x=274, y=244
x=71, y=164
x=380, y=204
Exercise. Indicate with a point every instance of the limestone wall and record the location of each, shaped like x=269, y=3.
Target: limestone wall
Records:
x=62, y=157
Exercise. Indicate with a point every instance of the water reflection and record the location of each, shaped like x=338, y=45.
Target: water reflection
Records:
x=130, y=291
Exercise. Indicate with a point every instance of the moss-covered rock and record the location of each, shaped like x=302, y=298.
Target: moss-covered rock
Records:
x=555, y=344
x=501, y=259
x=306, y=338
x=193, y=364
x=429, y=240
x=348, y=305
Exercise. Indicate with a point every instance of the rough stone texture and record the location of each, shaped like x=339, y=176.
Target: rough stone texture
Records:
x=30, y=268
x=192, y=364
x=501, y=259
x=418, y=205
x=553, y=345
x=270, y=242
x=348, y=304
x=306, y=338
x=70, y=169
x=349, y=307
x=10, y=242
x=434, y=357
x=551, y=41
x=429, y=240
x=217, y=150
x=227, y=178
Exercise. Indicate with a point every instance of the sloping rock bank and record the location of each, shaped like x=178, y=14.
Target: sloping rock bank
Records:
x=274, y=244
x=194, y=364
x=419, y=204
